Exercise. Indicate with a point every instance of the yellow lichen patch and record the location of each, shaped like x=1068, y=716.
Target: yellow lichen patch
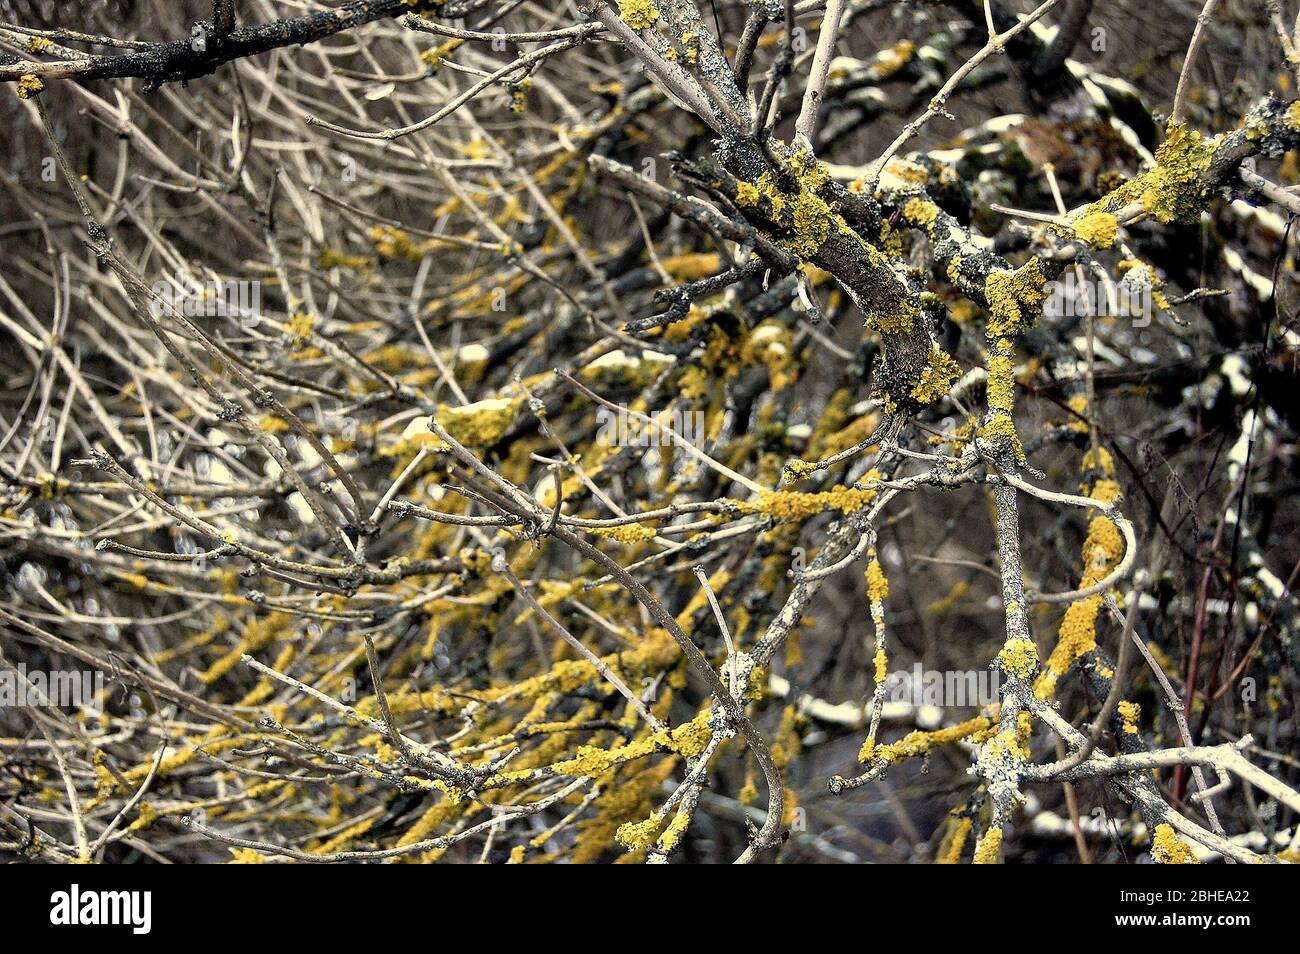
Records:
x=1000, y=431
x=810, y=218
x=892, y=59
x=1098, y=229
x=896, y=322
x=628, y=533
x=333, y=258
x=937, y=377
x=812, y=223
x=955, y=843
x=634, y=835
x=1176, y=189
x=1002, y=383
x=246, y=856
x=1128, y=714
x=877, y=584
x=1076, y=636
x=300, y=326
x=1019, y=658
x=638, y=14
x=772, y=345
x=479, y=424
x=691, y=266
x=28, y=86
x=881, y=662
x=919, y=742
x=689, y=740
x=920, y=212
x=1104, y=545
x=392, y=242
x=1079, y=405
x=1168, y=849
x=747, y=194
x=1098, y=458
x=1105, y=490
x=986, y=851
x=270, y=424
x=620, y=367
x=257, y=635
x=797, y=469
x=419, y=436
x=792, y=505
x=897, y=174
x=1014, y=298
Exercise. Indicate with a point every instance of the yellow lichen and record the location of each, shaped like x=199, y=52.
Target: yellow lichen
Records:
x=28, y=86
x=889, y=61
x=638, y=14
x=1168, y=849
x=1176, y=188
x=300, y=326
x=1098, y=458
x=956, y=842
x=1019, y=658
x=1128, y=714
x=812, y=223
x=797, y=469
x=920, y=212
x=627, y=533
x=881, y=662
x=747, y=194
x=1002, y=383
x=937, y=377
x=796, y=506
x=1014, y=298
x=246, y=856
x=986, y=850
x=920, y=742
x=877, y=584
x=1098, y=229
x=897, y=322
x=1000, y=431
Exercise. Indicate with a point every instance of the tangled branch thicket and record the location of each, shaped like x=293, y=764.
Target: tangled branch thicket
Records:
x=519, y=432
